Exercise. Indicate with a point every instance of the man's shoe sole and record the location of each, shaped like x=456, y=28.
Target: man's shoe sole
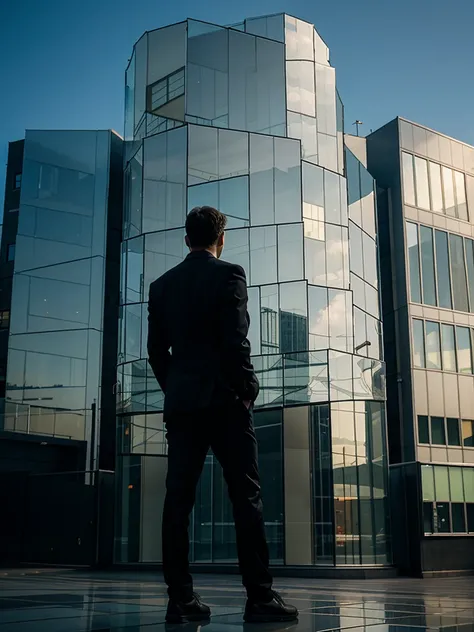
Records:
x=265, y=618
x=193, y=618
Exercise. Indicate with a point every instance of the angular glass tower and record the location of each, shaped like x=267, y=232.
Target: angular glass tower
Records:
x=63, y=332
x=248, y=119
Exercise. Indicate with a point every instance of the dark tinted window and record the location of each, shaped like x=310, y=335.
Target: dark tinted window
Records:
x=459, y=519
x=423, y=429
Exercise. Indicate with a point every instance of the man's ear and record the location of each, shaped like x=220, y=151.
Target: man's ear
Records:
x=187, y=242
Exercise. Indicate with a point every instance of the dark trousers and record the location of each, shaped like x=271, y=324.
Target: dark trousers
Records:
x=229, y=432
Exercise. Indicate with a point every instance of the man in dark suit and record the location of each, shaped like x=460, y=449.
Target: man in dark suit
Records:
x=200, y=355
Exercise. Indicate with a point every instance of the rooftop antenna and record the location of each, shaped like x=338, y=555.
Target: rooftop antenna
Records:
x=357, y=123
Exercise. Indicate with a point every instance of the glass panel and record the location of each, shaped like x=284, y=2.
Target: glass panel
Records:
x=202, y=158
x=234, y=198
x=261, y=180
x=448, y=348
x=356, y=252
x=293, y=317
x=133, y=316
x=419, y=140
x=130, y=99
x=322, y=485
x=134, y=289
x=456, y=484
x=408, y=179
x=263, y=255
x=441, y=483
x=299, y=39
x=337, y=273
x=287, y=181
x=304, y=128
x=340, y=371
x=353, y=187
x=468, y=477
x=458, y=273
x=326, y=99
x=236, y=248
x=438, y=435
x=427, y=265
x=433, y=354
x=370, y=260
x=207, y=78
x=327, y=151
x=470, y=195
x=470, y=270
x=270, y=323
x=427, y=482
x=141, y=54
x=164, y=187
x=460, y=195
x=256, y=84
x=459, y=518
x=306, y=378
x=423, y=430
x=414, y=262
x=290, y=252
x=268, y=430
x=300, y=87
x=313, y=192
x=436, y=189
x=315, y=252
x=358, y=291
x=233, y=155
x=422, y=188
x=470, y=517
x=467, y=433
x=442, y=269
x=271, y=26
x=449, y=204
x=253, y=309
x=464, y=354
x=367, y=202
x=163, y=251
x=318, y=317
x=454, y=437
x=418, y=344
x=203, y=194
x=332, y=201
x=340, y=321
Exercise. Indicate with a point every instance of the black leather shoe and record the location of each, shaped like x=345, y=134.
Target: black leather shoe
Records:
x=269, y=611
x=184, y=612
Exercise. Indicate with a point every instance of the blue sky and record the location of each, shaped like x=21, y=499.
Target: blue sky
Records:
x=62, y=62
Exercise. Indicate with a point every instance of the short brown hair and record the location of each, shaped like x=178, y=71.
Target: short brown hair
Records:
x=204, y=226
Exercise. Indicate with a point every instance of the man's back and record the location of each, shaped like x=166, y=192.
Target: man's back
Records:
x=198, y=310
x=199, y=352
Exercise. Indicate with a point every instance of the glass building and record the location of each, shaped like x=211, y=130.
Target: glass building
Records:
x=426, y=215
x=63, y=332
x=248, y=119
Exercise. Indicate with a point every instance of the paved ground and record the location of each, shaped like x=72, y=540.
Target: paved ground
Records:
x=72, y=601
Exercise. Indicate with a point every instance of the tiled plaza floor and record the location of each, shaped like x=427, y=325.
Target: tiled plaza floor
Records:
x=72, y=601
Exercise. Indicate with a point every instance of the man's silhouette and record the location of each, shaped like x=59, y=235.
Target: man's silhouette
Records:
x=200, y=355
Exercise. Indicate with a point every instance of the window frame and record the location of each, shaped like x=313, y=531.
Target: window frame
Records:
x=11, y=248
x=17, y=177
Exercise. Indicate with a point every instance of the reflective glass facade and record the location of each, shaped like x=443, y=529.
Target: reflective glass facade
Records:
x=258, y=134
x=57, y=349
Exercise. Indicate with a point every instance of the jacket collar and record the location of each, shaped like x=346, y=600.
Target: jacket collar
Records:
x=200, y=254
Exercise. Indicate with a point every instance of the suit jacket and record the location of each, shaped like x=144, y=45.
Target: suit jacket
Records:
x=197, y=334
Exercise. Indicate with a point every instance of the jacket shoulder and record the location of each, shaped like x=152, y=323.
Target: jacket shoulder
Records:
x=231, y=268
